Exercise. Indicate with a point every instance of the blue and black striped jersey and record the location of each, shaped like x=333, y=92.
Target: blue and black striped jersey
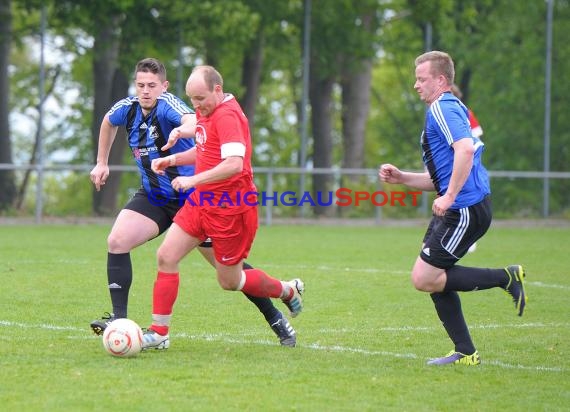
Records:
x=148, y=134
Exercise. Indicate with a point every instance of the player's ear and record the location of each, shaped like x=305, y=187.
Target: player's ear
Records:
x=165, y=85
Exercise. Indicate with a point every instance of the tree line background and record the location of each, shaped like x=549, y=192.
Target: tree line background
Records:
x=362, y=109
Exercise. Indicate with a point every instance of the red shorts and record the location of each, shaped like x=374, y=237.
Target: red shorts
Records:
x=232, y=235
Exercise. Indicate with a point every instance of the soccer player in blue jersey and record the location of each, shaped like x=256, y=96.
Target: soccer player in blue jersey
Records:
x=149, y=118
x=461, y=210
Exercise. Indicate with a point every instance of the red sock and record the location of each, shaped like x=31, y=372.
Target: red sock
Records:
x=161, y=330
x=260, y=284
x=165, y=293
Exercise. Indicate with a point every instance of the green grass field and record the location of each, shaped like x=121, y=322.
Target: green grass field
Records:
x=363, y=338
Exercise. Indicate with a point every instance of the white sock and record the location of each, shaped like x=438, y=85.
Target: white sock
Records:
x=242, y=281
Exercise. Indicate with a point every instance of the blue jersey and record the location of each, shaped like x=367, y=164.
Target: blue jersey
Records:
x=148, y=134
x=447, y=121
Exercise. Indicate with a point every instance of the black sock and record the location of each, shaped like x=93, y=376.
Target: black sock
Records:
x=265, y=305
x=467, y=279
x=120, y=277
x=448, y=308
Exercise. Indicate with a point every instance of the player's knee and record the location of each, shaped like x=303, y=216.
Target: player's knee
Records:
x=227, y=284
x=163, y=257
x=420, y=282
x=116, y=244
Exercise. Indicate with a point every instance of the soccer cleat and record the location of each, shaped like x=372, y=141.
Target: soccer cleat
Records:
x=295, y=302
x=98, y=326
x=284, y=331
x=457, y=358
x=153, y=340
x=515, y=287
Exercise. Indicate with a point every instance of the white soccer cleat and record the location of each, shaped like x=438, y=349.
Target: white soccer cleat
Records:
x=295, y=302
x=153, y=340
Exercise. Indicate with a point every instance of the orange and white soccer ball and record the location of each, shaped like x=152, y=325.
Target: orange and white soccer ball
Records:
x=123, y=338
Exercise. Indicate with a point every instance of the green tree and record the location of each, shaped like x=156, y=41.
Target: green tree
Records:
x=7, y=179
x=364, y=110
x=343, y=50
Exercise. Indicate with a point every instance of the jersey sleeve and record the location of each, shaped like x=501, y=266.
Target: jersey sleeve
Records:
x=451, y=120
x=118, y=113
x=175, y=109
x=230, y=129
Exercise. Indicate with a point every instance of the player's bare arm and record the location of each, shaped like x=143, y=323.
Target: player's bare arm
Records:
x=186, y=129
x=187, y=157
x=228, y=167
x=391, y=174
x=100, y=172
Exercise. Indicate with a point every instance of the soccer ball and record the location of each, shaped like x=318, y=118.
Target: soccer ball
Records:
x=123, y=338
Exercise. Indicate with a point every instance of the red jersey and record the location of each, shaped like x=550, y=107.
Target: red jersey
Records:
x=476, y=128
x=226, y=130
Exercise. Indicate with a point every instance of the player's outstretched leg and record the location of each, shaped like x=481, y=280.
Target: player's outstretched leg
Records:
x=277, y=322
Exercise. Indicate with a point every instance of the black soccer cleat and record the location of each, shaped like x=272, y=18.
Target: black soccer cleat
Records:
x=515, y=287
x=98, y=326
x=284, y=331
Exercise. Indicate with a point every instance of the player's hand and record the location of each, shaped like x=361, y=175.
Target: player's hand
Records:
x=99, y=175
x=159, y=165
x=390, y=174
x=183, y=183
x=173, y=137
x=441, y=204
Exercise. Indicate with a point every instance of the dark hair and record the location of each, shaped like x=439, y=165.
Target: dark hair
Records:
x=151, y=65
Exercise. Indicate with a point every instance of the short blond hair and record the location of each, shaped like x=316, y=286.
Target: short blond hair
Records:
x=441, y=64
x=210, y=75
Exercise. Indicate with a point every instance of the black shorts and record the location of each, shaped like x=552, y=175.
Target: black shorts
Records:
x=449, y=237
x=160, y=213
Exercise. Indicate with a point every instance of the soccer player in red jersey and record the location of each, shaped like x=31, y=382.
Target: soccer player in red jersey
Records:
x=150, y=117
x=222, y=207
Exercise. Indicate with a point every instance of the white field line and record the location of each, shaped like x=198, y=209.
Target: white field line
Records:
x=434, y=328
x=314, y=346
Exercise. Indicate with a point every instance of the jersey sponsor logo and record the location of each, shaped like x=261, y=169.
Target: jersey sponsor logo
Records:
x=152, y=132
x=139, y=152
x=201, y=136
